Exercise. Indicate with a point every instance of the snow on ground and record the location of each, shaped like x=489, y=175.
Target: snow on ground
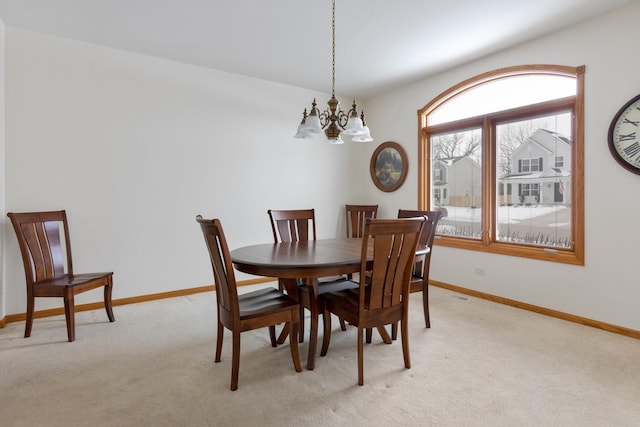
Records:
x=506, y=214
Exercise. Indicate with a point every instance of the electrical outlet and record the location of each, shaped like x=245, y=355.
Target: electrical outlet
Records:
x=479, y=271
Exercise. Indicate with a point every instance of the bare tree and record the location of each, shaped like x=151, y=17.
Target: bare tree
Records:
x=458, y=144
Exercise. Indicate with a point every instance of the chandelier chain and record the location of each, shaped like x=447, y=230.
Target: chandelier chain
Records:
x=333, y=49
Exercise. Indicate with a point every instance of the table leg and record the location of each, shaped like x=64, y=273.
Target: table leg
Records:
x=312, y=286
x=291, y=286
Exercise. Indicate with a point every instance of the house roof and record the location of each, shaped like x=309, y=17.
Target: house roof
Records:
x=452, y=161
x=545, y=139
x=449, y=161
x=549, y=173
x=549, y=139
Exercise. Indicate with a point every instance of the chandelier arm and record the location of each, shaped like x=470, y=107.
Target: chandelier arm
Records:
x=343, y=118
x=325, y=117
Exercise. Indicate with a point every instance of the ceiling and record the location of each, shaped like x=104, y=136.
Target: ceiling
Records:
x=380, y=44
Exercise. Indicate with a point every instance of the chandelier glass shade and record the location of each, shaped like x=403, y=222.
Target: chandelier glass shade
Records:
x=333, y=122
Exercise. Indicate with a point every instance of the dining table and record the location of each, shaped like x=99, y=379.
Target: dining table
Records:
x=308, y=259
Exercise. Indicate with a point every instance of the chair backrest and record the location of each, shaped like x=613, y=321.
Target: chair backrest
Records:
x=394, y=247
x=225, y=281
x=44, y=253
x=429, y=230
x=293, y=225
x=356, y=215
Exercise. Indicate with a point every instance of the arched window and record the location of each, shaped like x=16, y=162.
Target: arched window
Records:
x=501, y=155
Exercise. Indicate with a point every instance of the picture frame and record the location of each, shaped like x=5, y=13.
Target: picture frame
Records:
x=389, y=165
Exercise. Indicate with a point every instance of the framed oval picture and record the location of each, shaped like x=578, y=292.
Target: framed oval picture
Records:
x=389, y=165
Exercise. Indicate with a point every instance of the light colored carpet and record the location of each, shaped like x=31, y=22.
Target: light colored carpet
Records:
x=481, y=364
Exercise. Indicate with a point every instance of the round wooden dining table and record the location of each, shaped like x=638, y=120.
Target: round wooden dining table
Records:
x=310, y=260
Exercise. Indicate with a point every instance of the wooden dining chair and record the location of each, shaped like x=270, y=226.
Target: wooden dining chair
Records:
x=252, y=310
x=384, y=299
x=292, y=226
x=48, y=266
x=356, y=216
x=299, y=225
x=420, y=273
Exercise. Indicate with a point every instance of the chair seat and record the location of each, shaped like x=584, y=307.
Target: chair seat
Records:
x=348, y=299
x=333, y=286
x=76, y=280
x=417, y=284
x=344, y=304
x=339, y=284
x=78, y=283
x=256, y=303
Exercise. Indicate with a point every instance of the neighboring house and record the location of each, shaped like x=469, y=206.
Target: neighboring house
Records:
x=457, y=181
x=540, y=171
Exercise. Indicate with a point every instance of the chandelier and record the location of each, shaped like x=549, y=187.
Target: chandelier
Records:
x=334, y=122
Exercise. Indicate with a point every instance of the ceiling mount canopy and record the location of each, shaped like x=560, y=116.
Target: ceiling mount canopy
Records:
x=334, y=122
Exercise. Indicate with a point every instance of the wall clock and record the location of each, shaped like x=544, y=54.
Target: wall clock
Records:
x=624, y=136
x=389, y=165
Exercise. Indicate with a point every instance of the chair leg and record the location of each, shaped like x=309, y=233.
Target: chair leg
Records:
x=219, y=341
x=394, y=331
x=326, y=335
x=235, y=364
x=301, y=332
x=29, y=323
x=69, y=314
x=369, y=335
x=343, y=325
x=361, y=356
x=425, y=303
x=107, y=299
x=384, y=334
x=293, y=344
x=272, y=336
x=404, y=332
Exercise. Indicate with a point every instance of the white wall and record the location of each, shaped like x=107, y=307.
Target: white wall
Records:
x=133, y=147
x=607, y=287
x=2, y=175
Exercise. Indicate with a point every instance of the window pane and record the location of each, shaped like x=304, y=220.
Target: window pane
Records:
x=534, y=165
x=456, y=163
x=503, y=94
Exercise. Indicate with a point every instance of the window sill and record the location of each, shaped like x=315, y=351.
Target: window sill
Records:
x=565, y=256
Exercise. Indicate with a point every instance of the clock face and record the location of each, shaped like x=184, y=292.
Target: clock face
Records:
x=624, y=136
